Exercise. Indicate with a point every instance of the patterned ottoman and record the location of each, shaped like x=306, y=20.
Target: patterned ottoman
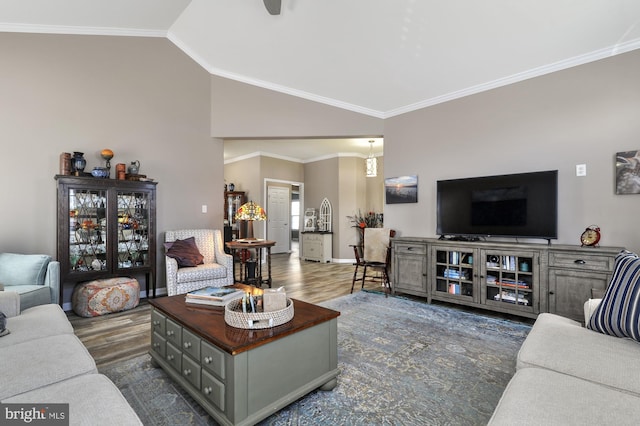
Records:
x=100, y=297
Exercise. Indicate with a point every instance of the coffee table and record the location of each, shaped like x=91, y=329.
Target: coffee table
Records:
x=242, y=376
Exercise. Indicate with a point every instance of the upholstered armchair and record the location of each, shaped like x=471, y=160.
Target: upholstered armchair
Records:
x=216, y=269
x=35, y=277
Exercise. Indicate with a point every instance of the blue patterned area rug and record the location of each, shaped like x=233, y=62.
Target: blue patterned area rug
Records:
x=401, y=362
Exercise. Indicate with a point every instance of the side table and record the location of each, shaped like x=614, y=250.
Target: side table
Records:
x=257, y=245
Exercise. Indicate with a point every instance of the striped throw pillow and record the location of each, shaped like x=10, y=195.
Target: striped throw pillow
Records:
x=619, y=312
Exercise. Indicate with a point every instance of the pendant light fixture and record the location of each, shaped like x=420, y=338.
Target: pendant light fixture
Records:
x=372, y=162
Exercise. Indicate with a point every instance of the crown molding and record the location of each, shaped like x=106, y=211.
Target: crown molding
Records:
x=62, y=29
x=603, y=53
x=262, y=154
x=295, y=160
x=526, y=75
x=511, y=79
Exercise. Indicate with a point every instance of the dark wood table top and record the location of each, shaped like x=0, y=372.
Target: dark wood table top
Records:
x=247, y=244
x=208, y=322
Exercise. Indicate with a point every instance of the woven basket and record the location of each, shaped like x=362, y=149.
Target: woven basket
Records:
x=234, y=316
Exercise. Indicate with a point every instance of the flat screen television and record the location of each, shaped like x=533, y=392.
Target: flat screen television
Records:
x=517, y=205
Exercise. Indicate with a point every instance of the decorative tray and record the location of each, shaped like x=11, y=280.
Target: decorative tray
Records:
x=234, y=316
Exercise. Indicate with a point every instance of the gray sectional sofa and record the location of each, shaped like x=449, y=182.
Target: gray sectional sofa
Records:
x=42, y=361
x=35, y=277
x=567, y=374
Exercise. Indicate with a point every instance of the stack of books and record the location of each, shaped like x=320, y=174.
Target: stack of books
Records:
x=213, y=296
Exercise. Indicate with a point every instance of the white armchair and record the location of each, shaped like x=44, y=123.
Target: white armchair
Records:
x=216, y=271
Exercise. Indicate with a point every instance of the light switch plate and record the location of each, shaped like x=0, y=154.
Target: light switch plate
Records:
x=581, y=170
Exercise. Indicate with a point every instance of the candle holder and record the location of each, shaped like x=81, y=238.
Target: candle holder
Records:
x=107, y=154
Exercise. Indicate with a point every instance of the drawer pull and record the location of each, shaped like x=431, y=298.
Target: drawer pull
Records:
x=187, y=345
x=186, y=371
x=208, y=390
x=156, y=322
x=208, y=360
x=170, y=357
x=551, y=293
x=156, y=345
x=170, y=333
x=409, y=248
x=579, y=262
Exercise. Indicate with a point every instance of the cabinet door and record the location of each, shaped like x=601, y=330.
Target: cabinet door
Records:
x=311, y=247
x=454, y=274
x=570, y=289
x=87, y=236
x=410, y=269
x=509, y=280
x=134, y=223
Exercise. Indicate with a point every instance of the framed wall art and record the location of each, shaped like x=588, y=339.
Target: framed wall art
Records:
x=401, y=189
x=628, y=172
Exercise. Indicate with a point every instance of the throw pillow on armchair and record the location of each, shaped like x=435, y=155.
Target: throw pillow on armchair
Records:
x=185, y=252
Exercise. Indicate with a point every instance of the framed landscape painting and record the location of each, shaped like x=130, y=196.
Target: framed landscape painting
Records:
x=628, y=172
x=401, y=189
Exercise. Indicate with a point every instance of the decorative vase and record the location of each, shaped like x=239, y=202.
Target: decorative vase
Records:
x=78, y=163
x=134, y=167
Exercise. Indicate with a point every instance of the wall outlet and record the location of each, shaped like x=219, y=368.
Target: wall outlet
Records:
x=204, y=208
x=581, y=170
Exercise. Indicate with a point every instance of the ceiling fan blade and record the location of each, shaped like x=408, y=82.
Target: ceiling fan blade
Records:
x=273, y=6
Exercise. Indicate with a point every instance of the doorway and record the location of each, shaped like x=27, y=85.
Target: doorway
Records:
x=276, y=231
x=278, y=219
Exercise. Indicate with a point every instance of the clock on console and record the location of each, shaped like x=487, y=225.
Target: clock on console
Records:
x=591, y=236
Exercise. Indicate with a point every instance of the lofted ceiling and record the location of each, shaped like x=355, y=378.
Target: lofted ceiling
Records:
x=376, y=57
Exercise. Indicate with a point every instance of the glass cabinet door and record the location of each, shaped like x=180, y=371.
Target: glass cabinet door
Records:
x=87, y=230
x=454, y=273
x=509, y=278
x=133, y=228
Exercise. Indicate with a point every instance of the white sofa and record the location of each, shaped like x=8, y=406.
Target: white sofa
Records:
x=43, y=362
x=567, y=374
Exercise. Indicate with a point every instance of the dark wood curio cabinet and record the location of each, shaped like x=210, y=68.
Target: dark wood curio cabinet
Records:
x=106, y=228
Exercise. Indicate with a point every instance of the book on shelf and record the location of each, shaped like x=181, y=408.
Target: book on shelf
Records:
x=219, y=294
x=505, y=282
x=510, y=297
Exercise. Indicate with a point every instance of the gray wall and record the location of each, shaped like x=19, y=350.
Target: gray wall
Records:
x=148, y=101
x=141, y=97
x=582, y=115
x=340, y=179
x=250, y=112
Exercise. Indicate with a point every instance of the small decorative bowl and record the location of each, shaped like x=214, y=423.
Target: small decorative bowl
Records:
x=100, y=172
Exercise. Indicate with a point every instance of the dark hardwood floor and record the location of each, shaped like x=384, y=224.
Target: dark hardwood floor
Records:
x=116, y=337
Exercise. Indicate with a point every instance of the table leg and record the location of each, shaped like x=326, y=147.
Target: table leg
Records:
x=269, y=265
x=259, y=266
x=233, y=262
